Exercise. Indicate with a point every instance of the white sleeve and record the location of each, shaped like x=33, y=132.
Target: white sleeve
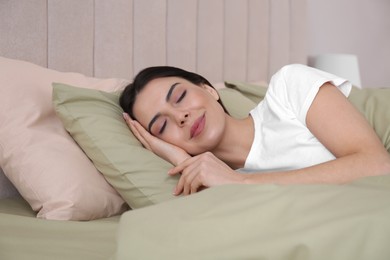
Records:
x=294, y=87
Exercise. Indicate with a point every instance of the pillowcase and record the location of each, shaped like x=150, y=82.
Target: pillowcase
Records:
x=94, y=119
x=374, y=104
x=237, y=104
x=7, y=190
x=39, y=157
x=253, y=91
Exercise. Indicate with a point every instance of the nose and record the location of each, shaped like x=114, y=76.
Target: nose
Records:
x=182, y=117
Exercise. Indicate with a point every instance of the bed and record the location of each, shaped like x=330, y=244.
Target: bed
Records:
x=74, y=182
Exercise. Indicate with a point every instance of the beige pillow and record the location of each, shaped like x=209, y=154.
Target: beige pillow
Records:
x=37, y=154
x=94, y=119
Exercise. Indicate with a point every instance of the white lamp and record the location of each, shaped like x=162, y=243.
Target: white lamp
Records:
x=342, y=65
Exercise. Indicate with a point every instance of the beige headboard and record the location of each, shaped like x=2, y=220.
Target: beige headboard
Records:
x=220, y=39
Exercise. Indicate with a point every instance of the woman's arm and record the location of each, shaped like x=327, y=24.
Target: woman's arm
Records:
x=335, y=123
x=345, y=132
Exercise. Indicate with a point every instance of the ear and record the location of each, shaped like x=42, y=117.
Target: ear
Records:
x=212, y=91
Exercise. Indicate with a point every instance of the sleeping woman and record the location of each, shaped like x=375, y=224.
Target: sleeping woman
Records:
x=304, y=131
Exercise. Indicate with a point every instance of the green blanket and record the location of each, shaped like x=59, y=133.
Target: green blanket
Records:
x=264, y=222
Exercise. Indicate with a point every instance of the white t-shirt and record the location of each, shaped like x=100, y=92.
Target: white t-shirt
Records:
x=282, y=140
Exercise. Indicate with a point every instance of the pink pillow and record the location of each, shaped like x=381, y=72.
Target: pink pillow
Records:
x=39, y=157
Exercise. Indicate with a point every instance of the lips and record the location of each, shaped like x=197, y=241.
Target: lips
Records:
x=198, y=126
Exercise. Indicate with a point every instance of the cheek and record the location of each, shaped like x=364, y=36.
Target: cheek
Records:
x=173, y=136
x=215, y=131
x=213, y=134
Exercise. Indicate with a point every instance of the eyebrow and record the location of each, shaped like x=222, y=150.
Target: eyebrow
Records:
x=169, y=94
x=167, y=98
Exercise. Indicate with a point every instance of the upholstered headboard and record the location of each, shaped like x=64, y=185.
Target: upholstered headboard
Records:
x=221, y=39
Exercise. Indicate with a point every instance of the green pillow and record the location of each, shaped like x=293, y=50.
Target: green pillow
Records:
x=254, y=92
x=94, y=120
x=374, y=104
x=236, y=103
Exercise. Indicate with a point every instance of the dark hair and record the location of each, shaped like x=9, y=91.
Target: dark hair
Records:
x=129, y=94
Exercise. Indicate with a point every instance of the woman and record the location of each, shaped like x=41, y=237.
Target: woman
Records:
x=304, y=131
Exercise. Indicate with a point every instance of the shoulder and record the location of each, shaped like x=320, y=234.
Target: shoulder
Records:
x=294, y=87
x=287, y=77
x=289, y=74
x=293, y=72
x=293, y=68
x=302, y=78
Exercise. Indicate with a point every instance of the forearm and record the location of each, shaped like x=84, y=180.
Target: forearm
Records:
x=341, y=170
x=175, y=157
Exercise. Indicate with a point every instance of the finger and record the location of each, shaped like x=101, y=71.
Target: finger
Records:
x=127, y=118
x=129, y=121
x=173, y=173
x=139, y=127
x=179, y=187
x=193, y=178
x=180, y=167
x=138, y=135
x=195, y=186
x=191, y=184
x=189, y=181
x=142, y=131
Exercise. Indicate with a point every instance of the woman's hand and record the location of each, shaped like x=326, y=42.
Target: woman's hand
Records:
x=204, y=170
x=167, y=151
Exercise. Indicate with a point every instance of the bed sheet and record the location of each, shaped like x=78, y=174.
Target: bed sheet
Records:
x=23, y=236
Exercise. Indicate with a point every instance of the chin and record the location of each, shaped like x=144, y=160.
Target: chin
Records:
x=193, y=151
x=197, y=152
x=202, y=149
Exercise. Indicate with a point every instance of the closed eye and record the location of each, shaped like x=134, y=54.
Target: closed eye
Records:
x=162, y=128
x=182, y=96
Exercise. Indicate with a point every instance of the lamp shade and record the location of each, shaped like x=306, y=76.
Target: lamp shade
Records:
x=342, y=65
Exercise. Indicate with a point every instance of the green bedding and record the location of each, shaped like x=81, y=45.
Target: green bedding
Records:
x=273, y=222
x=264, y=222
x=22, y=236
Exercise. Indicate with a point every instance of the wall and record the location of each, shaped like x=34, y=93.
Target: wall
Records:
x=360, y=27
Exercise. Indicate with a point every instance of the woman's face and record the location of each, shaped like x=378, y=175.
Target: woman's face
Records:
x=181, y=113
